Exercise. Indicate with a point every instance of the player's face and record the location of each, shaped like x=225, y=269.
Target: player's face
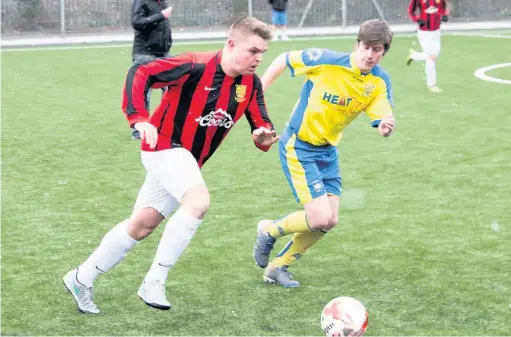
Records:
x=368, y=56
x=248, y=53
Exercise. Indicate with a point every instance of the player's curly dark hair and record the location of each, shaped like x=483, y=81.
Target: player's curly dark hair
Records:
x=375, y=31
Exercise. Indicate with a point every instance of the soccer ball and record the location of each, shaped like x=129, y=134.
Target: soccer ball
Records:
x=344, y=316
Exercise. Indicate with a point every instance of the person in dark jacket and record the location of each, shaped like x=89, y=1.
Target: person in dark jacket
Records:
x=279, y=19
x=153, y=36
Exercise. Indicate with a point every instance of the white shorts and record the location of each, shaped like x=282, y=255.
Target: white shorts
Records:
x=169, y=174
x=429, y=41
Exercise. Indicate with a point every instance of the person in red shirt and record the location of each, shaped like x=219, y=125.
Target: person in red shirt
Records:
x=428, y=14
x=208, y=92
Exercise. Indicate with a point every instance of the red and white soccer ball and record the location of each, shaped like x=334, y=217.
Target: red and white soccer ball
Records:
x=344, y=316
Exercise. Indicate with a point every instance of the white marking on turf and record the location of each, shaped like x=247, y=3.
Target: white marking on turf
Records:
x=481, y=73
x=493, y=36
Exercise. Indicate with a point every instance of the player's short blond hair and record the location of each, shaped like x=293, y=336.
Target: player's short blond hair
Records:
x=251, y=25
x=374, y=32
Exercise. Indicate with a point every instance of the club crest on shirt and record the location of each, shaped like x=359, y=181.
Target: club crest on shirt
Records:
x=368, y=90
x=241, y=92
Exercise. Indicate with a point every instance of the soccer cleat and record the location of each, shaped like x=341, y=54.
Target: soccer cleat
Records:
x=153, y=294
x=83, y=295
x=263, y=245
x=285, y=37
x=435, y=89
x=409, y=59
x=280, y=276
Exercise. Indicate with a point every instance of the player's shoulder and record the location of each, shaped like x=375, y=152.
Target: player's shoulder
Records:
x=196, y=57
x=379, y=72
x=324, y=56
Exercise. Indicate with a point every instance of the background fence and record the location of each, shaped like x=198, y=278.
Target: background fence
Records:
x=82, y=16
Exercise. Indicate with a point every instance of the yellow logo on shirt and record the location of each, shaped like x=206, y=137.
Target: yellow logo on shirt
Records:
x=241, y=91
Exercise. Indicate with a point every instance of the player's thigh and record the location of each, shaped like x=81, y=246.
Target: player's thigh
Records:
x=430, y=42
x=283, y=18
x=153, y=195
x=299, y=165
x=174, y=169
x=435, y=43
x=274, y=17
x=334, y=202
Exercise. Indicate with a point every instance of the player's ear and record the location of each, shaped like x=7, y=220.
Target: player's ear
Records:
x=231, y=43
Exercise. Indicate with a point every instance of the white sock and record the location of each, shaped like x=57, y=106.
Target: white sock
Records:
x=416, y=56
x=112, y=250
x=178, y=233
x=430, y=72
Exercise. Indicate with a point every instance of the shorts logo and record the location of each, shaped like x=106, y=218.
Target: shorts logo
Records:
x=216, y=118
x=317, y=185
x=241, y=92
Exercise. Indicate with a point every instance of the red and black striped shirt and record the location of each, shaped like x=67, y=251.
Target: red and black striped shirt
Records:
x=429, y=11
x=201, y=104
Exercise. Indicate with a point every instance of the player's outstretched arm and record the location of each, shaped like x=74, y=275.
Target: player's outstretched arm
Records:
x=274, y=71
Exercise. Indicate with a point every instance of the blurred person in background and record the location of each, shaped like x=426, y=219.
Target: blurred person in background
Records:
x=279, y=19
x=153, y=36
x=428, y=14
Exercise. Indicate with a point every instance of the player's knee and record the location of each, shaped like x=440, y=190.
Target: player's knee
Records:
x=197, y=200
x=333, y=220
x=319, y=220
x=433, y=57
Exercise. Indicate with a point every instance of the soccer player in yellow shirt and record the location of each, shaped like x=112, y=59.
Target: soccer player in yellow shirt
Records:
x=338, y=87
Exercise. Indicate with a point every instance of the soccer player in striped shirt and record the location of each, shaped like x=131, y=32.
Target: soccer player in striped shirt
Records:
x=207, y=94
x=428, y=14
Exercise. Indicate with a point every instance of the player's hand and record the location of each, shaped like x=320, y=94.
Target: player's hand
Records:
x=166, y=12
x=445, y=18
x=264, y=136
x=386, y=126
x=420, y=23
x=148, y=133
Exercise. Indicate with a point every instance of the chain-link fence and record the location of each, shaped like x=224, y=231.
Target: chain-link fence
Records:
x=82, y=16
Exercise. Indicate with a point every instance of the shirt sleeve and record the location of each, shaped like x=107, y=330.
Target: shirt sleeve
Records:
x=158, y=73
x=306, y=61
x=383, y=103
x=256, y=113
x=412, y=8
x=139, y=21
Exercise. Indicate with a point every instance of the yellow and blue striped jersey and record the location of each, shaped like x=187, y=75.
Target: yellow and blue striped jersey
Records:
x=334, y=94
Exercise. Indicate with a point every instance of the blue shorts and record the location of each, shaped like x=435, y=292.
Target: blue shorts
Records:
x=279, y=18
x=311, y=171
